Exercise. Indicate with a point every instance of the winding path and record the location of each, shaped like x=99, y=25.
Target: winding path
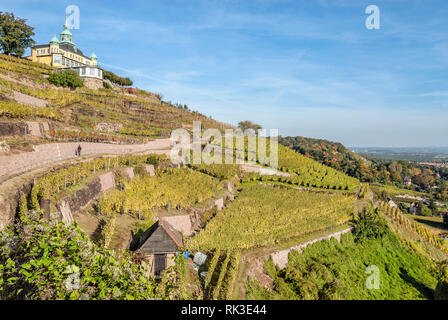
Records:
x=54, y=152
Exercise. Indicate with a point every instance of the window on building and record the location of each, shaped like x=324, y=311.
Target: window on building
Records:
x=57, y=59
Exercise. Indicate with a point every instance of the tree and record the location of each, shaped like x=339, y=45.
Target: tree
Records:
x=66, y=78
x=243, y=125
x=423, y=180
x=15, y=34
x=126, y=82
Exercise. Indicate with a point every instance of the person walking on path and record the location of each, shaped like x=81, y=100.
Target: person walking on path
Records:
x=79, y=150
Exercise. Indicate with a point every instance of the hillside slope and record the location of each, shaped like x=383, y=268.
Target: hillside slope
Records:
x=29, y=104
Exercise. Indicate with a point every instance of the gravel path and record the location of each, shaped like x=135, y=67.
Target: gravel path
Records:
x=54, y=152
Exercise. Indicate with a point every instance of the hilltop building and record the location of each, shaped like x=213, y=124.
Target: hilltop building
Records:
x=62, y=53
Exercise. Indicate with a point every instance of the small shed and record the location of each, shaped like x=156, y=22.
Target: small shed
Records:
x=160, y=244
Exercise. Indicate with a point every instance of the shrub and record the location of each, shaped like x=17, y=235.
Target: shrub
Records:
x=66, y=78
x=48, y=261
x=369, y=225
x=117, y=79
x=425, y=211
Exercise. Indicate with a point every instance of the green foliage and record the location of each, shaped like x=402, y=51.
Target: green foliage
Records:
x=15, y=34
x=229, y=280
x=441, y=292
x=23, y=206
x=369, y=225
x=108, y=229
x=116, y=79
x=222, y=273
x=264, y=215
x=424, y=210
x=66, y=78
x=333, y=270
x=53, y=261
x=212, y=266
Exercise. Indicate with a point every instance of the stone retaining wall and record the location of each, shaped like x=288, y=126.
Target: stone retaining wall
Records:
x=280, y=258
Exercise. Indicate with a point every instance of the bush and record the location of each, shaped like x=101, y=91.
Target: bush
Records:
x=425, y=211
x=126, y=82
x=66, y=78
x=49, y=261
x=369, y=225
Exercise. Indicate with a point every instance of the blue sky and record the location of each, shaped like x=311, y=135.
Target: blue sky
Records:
x=308, y=68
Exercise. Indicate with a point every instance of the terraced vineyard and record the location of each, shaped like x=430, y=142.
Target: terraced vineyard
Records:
x=221, y=275
x=140, y=115
x=264, y=215
x=54, y=182
x=176, y=188
x=303, y=171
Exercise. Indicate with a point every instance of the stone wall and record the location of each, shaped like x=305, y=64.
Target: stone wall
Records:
x=280, y=258
x=12, y=129
x=180, y=223
x=93, y=83
x=82, y=197
x=32, y=128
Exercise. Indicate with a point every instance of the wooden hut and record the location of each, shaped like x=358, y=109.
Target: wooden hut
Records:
x=160, y=244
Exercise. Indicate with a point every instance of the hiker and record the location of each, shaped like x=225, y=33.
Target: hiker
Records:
x=79, y=150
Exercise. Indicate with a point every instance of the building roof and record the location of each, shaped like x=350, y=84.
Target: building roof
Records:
x=41, y=46
x=93, y=56
x=54, y=39
x=161, y=237
x=66, y=30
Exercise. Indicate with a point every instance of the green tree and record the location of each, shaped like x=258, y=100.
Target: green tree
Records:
x=15, y=34
x=66, y=78
x=243, y=125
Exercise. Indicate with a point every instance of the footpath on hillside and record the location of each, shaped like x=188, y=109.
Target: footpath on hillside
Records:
x=55, y=152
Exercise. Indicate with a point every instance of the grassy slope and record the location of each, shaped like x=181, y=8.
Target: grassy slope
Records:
x=332, y=270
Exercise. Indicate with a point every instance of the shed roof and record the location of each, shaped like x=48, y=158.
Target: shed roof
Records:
x=161, y=237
